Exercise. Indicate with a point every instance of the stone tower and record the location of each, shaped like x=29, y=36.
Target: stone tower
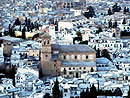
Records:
x=45, y=53
x=47, y=64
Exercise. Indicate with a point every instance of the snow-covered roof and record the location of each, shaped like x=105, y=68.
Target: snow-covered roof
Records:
x=11, y=39
x=102, y=60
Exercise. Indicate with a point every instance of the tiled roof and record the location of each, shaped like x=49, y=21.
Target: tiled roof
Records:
x=78, y=63
x=76, y=49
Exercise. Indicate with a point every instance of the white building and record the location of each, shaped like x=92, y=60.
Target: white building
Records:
x=103, y=64
x=72, y=22
x=77, y=12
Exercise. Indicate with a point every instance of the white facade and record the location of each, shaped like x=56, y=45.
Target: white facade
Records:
x=52, y=32
x=64, y=24
x=76, y=12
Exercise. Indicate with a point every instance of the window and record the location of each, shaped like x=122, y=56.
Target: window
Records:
x=126, y=77
x=54, y=65
x=72, y=56
x=64, y=57
x=69, y=68
x=67, y=57
x=106, y=65
x=86, y=56
x=99, y=66
x=47, y=41
x=84, y=71
x=65, y=90
x=75, y=57
x=84, y=68
x=73, y=68
x=80, y=68
x=64, y=71
x=44, y=42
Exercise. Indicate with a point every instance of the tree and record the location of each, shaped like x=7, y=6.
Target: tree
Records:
x=94, y=48
x=92, y=70
x=87, y=93
x=115, y=24
x=126, y=10
x=125, y=33
x=100, y=92
x=47, y=95
x=110, y=24
x=93, y=92
x=37, y=26
x=26, y=20
x=11, y=31
x=23, y=33
x=90, y=12
x=116, y=8
x=35, y=36
x=82, y=94
x=110, y=12
x=128, y=93
x=17, y=22
x=5, y=33
x=105, y=53
x=78, y=34
x=20, y=28
x=108, y=93
x=98, y=53
x=0, y=34
x=32, y=26
x=99, y=30
x=114, y=35
x=56, y=91
x=124, y=21
x=118, y=92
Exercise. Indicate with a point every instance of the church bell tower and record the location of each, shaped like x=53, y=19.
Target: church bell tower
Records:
x=46, y=53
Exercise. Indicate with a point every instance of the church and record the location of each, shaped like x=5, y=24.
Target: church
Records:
x=68, y=61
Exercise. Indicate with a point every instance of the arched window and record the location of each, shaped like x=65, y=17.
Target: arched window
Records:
x=64, y=57
x=75, y=56
x=64, y=71
x=44, y=42
x=47, y=41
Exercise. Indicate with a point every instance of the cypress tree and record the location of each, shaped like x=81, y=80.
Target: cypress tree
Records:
x=56, y=90
x=128, y=93
x=105, y=53
x=109, y=11
x=124, y=21
x=23, y=33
